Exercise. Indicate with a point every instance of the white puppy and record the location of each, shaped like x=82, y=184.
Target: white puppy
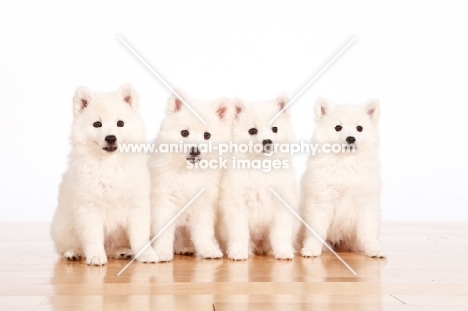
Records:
x=103, y=205
x=341, y=191
x=253, y=219
x=178, y=177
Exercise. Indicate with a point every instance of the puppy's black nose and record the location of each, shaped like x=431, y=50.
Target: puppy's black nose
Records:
x=194, y=151
x=267, y=142
x=110, y=139
x=350, y=139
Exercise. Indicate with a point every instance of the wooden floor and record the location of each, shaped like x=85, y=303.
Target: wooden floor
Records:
x=426, y=269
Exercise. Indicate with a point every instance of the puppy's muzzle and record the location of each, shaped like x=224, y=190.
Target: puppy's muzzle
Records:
x=351, y=140
x=194, y=155
x=267, y=146
x=111, y=143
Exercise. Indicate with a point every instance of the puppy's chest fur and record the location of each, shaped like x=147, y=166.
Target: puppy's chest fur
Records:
x=106, y=184
x=257, y=198
x=347, y=185
x=347, y=177
x=184, y=185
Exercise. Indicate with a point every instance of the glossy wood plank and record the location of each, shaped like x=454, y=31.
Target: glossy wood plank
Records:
x=426, y=269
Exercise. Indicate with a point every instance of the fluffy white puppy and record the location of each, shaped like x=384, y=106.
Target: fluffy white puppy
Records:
x=341, y=191
x=252, y=218
x=103, y=204
x=178, y=176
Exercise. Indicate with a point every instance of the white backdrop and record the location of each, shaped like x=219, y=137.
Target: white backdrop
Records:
x=413, y=56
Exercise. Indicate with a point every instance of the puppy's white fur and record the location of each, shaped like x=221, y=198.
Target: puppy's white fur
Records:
x=252, y=219
x=341, y=191
x=103, y=204
x=174, y=184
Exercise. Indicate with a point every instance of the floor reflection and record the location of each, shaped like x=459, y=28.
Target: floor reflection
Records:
x=187, y=282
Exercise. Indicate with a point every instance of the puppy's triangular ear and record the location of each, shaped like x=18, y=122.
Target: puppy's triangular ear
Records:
x=282, y=102
x=176, y=102
x=81, y=99
x=322, y=108
x=129, y=95
x=224, y=109
x=239, y=106
x=372, y=108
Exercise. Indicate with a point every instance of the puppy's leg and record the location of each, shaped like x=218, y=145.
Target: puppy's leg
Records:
x=202, y=230
x=281, y=234
x=236, y=226
x=318, y=217
x=138, y=227
x=163, y=211
x=182, y=243
x=66, y=242
x=368, y=229
x=91, y=230
x=284, y=227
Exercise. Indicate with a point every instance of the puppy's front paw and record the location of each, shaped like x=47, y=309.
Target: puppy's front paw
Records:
x=307, y=252
x=238, y=256
x=213, y=252
x=148, y=258
x=312, y=248
x=372, y=248
x=184, y=250
x=286, y=254
x=121, y=253
x=73, y=255
x=283, y=250
x=164, y=256
x=238, y=251
x=96, y=260
x=164, y=251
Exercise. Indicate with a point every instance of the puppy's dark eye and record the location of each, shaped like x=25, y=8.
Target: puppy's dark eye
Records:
x=97, y=124
x=184, y=133
x=338, y=128
x=359, y=128
x=207, y=135
x=253, y=131
x=120, y=123
x=274, y=129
